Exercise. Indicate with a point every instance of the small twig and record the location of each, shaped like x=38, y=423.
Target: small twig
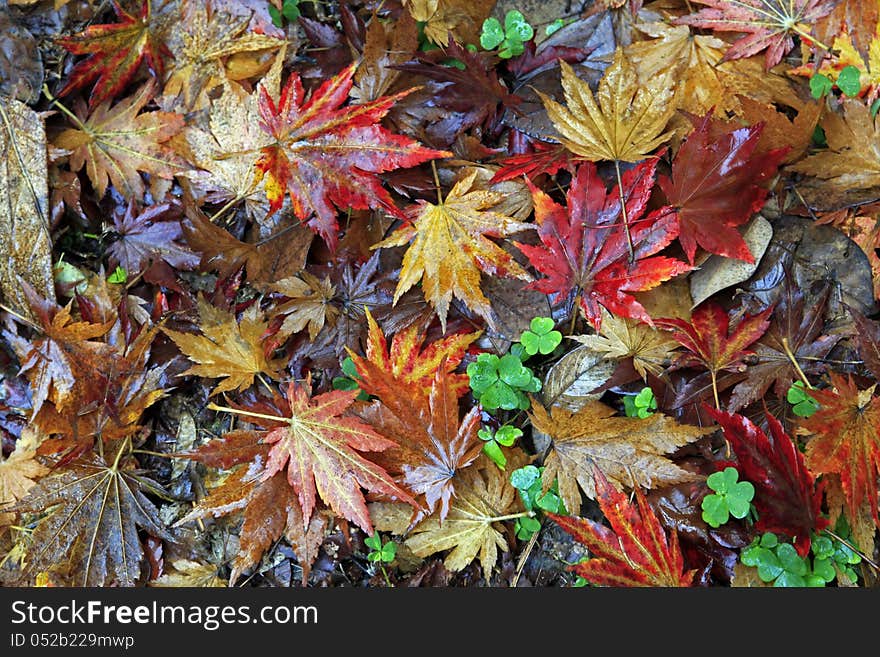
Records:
x=521, y=564
x=852, y=547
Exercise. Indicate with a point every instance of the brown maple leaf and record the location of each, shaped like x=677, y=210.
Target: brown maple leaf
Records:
x=226, y=348
x=89, y=537
x=307, y=304
x=631, y=452
x=116, y=143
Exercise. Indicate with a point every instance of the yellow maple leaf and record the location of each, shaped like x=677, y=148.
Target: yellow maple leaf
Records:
x=226, y=348
x=624, y=122
x=629, y=451
x=308, y=304
x=448, y=248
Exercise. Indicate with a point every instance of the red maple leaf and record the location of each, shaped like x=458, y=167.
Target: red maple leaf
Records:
x=546, y=158
x=768, y=24
x=846, y=441
x=710, y=341
x=327, y=156
x=635, y=551
x=584, y=247
x=787, y=499
x=716, y=186
x=115, y=50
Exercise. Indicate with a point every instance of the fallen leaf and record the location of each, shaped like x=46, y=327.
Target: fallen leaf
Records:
x=626, y=119
x=226, y=348
x=584, y=247
x=850, y=168
x=307, y=304
x=327, y=156
x=115, y=52
x=387, y=44
x=619, y=337
x=787, y=499
x=767, y=24
x=432, y=443
x=846, y=441
x=629, y=451
x=201, y=40
x=90, y=535
x=408, y=363
x=634, y=551
x=24, y=206
x=484, y=499
x=448, y=247
x=716, y=185
x=19, y=472
x=190, y=574
x=152, y=234
x=115, y=143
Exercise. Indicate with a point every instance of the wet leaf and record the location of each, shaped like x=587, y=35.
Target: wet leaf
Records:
x=19, y=472
x=629, y=451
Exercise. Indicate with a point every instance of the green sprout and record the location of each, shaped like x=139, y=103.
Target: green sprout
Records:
x=731, y=497
x=502, y=382
x=349, y=382
x=641, y=405
x=802, y=404
x=494, y=441
x=541, y=338
x=289, y=11
x=527, y=480
x=118, y=277
x=510, y=37
x=380, y=552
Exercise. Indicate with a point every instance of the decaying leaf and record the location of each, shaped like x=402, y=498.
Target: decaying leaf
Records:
x=93, y=510
x=768, y=24
x=226, y=348
x=484, y=499
x=24, y=206
x=307, y=304
x=448, y=247
x=629, y=451
x=850, y=168
x=191, y=574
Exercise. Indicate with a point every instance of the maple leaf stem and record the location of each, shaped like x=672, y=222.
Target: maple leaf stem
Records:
x=794, y=362
x=70, y=115
x=806, y=35
x=715, y=389
x=629, y=242
x=229, y=204
x=20, y=317
x=437, y=183
x=511, y=516
x=524, y=557
x=263, y=416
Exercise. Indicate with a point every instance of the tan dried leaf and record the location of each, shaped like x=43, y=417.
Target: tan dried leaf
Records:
x=484, y=499
x=19, y=472
x=190, y=574
x=621, y=337
x=308, y=304
x=629, y=451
